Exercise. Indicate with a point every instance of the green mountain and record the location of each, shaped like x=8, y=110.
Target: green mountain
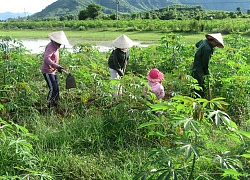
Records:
x=66, y=7
x=63, y=7
x=225, y=5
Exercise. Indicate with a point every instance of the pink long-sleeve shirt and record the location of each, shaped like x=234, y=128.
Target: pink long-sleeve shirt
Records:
x=156, y=88
x=51, y=59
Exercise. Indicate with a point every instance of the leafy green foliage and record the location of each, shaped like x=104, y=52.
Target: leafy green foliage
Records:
x=184, y=136
x=17, y=156
x=225, y=26
x=147, y=9
x=92, y=11
x=91, y=136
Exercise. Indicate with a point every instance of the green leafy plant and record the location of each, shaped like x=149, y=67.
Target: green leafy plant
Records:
x=183, y=138
x=91, y=136
x=17, y=157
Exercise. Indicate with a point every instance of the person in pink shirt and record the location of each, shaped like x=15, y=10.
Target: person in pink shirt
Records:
x=51, y=64
x=155, y=78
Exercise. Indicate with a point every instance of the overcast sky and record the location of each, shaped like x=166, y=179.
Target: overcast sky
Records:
x=30, y=6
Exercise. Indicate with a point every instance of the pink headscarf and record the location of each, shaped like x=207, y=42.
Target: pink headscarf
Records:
x=155, y=75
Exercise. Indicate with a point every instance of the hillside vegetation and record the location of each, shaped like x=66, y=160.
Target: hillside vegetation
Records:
x=225, y=26
x=64, y=7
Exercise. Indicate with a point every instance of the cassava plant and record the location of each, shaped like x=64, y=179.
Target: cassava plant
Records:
x=185, y=128
x=18, y=161
x=15, y=84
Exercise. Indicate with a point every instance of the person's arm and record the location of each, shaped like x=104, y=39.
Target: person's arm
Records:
x=49, y=52
x=206, y=55
x=125, y=63
x=117, y=57
x=145, y=91
x=161, y=92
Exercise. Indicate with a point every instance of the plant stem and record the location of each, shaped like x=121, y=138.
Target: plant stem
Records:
x=192, y=170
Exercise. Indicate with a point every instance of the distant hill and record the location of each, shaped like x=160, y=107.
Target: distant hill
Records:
x=225, y=5
x=65, y=7
x=7, y=15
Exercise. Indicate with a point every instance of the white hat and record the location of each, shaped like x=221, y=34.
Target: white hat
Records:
x=59, y=37
x=123, y=42
x=218, y=37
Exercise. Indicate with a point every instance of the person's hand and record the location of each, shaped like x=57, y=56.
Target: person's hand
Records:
x=120, y=73
x=60, y=69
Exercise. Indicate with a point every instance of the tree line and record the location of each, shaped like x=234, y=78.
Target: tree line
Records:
x=178, y=12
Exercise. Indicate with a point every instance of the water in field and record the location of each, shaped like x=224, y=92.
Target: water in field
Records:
x=38, y=45
x=35, y=46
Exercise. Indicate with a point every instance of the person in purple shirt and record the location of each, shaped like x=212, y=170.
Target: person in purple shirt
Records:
x=51, y=64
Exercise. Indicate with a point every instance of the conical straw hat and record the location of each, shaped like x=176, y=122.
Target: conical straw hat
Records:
x=123, y=42
x=218, y=37
x=59, y=37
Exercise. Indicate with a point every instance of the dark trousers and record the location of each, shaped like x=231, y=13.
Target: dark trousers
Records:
x=200, y=80
x=200, y=92
x=53, y=95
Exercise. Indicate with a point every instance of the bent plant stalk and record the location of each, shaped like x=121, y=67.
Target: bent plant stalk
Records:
x=192, y=170
x=193, y=163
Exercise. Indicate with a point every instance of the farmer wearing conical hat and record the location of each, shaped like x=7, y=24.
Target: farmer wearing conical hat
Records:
x=202, y=57
x=118, y=59
x=51, y=64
